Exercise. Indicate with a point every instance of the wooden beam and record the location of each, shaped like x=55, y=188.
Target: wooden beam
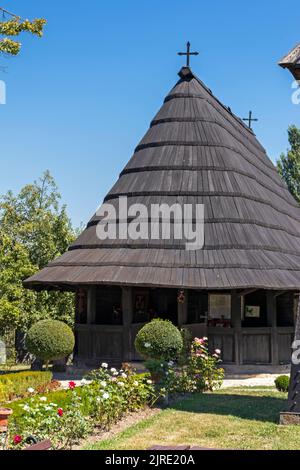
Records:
x=272, y=322
x=127, y=312
x=182, y=310
x=246, y=292
x=277, y=294
x=236, y=319
x=91, y=305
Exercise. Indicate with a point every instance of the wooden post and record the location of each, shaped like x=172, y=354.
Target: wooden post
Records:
x=91, y=305
x=236, y=317
x=182, y=311
x=293, y=414
x=272, y=322
x=127, y=312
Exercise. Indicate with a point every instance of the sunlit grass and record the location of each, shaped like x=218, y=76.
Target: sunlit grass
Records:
x=241, y=418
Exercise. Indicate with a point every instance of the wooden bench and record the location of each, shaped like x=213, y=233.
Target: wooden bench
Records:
x=180, y=448
x=43, y=445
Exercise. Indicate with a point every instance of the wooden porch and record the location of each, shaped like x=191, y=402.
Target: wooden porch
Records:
x=266, y=342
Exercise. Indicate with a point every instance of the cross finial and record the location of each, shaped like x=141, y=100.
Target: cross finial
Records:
x=188, y=53
x=250, y=119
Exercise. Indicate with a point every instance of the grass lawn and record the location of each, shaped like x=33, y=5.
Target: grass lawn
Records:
x=240, y=418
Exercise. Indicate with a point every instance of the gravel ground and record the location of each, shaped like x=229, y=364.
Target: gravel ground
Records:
x=264, y=380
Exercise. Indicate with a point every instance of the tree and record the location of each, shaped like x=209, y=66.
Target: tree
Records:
x=14, y=27
x=289, y=164
x=34, y=230
x=14, y=267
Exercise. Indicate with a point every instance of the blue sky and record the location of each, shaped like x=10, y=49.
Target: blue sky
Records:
x=80, y=99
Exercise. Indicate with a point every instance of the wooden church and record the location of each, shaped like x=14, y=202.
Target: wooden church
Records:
x=240, y=289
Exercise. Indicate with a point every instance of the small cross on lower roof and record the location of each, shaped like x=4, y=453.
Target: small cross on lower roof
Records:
x=250, y=119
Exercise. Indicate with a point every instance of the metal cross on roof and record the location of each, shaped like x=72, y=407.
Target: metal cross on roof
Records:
x=250, y=119
x=188, y=53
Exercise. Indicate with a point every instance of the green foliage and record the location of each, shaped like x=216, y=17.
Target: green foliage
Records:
x=50, y=339
x=14, y=27
x=289, y=164
x=16, y=385
x=187, y=340
x=15, y=266
x=34, y=229
x=200, y=372
x=203, y=366
x=45, y=419
x=282, y=383
x=159, y=339
x=64, y=417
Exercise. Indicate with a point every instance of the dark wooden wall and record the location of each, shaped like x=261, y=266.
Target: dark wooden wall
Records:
x=240, y=344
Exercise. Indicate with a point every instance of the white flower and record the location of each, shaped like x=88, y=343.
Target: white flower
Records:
x=48, y=408
x=105, y=396
x=121, y=384
x=147, y=345
x=135, y=383
x=30, y=390
x=104, y=365
x=103, y=383
x=43, y=398
x=98, y=399
x=84, y=382
x=217, y=351
x=149, y=381
x=124, y=375
x=113, y=370
x=26, y=408
x=53, y=404
x=205, y=338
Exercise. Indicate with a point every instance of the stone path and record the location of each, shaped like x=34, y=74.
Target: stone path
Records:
x=262, y=380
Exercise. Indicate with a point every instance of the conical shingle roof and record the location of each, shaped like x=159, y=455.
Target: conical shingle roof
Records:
x=196, y=151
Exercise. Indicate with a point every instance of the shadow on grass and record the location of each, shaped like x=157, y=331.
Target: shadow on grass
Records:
x=260, y=408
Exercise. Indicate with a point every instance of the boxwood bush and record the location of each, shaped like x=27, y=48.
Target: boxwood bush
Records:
x=15, y=385
x=159, y=339
x=49, y=340
x=282, y=383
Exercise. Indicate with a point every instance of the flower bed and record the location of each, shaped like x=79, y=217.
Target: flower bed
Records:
x=199, y=372
x=16, y=385
x=65, y=417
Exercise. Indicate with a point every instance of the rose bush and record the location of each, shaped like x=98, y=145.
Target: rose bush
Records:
x=103, y=398
x=203, y=366
x=200, y=372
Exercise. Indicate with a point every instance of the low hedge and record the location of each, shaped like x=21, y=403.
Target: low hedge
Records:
x=16, y=385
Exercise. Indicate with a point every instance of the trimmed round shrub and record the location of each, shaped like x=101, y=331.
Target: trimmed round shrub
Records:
x=50, y=340
x=159, y=339
x=282, y=383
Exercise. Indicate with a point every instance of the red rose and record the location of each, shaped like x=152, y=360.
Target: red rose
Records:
x=72, y=384
x=60, y=411
x=17, y=439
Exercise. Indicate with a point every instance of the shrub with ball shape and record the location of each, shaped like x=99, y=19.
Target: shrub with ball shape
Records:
x=159, y=339
x=49, y=340
x=282, y=383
